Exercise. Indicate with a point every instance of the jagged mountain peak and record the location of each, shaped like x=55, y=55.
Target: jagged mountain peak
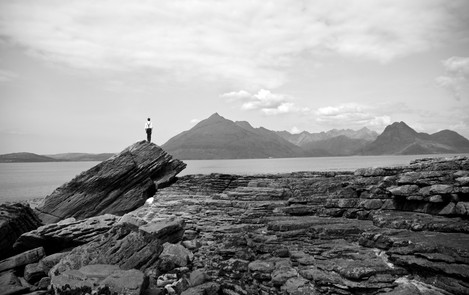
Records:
x=399, y=131
x=220, y=138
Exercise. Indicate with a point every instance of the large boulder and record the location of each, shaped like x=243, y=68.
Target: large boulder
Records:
x=116, y=186
x=124, y=245
x=65, y=234
x=100, y=279
x=15, y=219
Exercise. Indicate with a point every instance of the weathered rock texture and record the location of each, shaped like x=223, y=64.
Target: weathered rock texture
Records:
x=117, y=185
x=125, y=245
x=399, y=230
x=15, y=219
x=67, y=233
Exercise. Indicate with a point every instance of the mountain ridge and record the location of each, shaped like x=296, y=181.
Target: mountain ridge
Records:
x=219, y=138
x=220, y=142
x=399, y=138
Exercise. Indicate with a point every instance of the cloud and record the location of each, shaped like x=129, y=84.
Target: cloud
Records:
x=6, y=76
x=265, y=101
x=295, y=130
x=351, y=114
x=235, y=95
x=248, y=44
x=195, y=121
x=456, y=75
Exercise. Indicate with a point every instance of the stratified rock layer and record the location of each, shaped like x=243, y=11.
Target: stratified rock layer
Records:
x=67, y=233
x=117, y=185
x=15, y=219
x=398, y=230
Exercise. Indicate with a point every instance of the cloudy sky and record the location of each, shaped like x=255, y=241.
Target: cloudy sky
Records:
x=83, y=76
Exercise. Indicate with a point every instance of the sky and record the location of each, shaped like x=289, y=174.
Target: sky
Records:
x=84, y=75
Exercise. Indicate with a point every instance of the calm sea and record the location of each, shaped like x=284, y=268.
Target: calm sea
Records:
x=23, y=181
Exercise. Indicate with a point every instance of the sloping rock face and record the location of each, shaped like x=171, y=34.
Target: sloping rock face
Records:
x=399, y=230
x=15, y=219
x=116, y=186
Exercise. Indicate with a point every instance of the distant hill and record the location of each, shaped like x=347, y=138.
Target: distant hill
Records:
x=306, y=138
x=68, y=157
x=400, y=139
x=220, y=138
x=81, y=157
x=25, y=157
x=341, y=145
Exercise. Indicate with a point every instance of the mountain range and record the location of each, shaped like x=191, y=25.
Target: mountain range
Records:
x=220, y=138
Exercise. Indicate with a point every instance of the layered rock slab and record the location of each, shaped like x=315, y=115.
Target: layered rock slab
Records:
x=124, y=245
x=67, y=233
x=116, y=186
x=15, y=219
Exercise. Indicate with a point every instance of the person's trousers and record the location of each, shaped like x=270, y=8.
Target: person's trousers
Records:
x=148, y=135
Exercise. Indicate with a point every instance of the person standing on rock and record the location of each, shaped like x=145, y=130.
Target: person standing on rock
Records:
x=148, y=128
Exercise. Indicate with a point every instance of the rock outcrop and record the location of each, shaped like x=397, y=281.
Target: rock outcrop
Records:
x=15, y=219
x=397, y=230
x=116, y=186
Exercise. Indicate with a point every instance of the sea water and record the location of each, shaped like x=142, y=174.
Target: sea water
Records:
x=24, y=181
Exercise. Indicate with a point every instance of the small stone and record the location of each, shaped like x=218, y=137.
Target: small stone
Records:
x=441, y=189
x=404, y=190
x=44, y=283
x=210, y=288
x=49, y=261
x=371, y=204
x=464, y=181
x=462, y=208
x=262, y=266
x=436, y=199
x=281, y=275
x=180, y=255
x=197, y=277
x=414, y=198
x=292, y=285
x=448, y=209
x=130, y=282
x=33, y=273
x=191, y=244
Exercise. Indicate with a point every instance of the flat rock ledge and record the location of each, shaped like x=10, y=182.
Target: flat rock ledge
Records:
x=396, y=230
x=115, y=186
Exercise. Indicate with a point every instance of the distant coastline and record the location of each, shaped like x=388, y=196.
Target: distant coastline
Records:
x=65, y=157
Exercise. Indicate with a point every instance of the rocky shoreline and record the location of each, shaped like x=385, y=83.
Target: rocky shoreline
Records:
x=398, y=230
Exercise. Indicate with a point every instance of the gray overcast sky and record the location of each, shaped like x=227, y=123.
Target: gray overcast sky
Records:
x=83, y=76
